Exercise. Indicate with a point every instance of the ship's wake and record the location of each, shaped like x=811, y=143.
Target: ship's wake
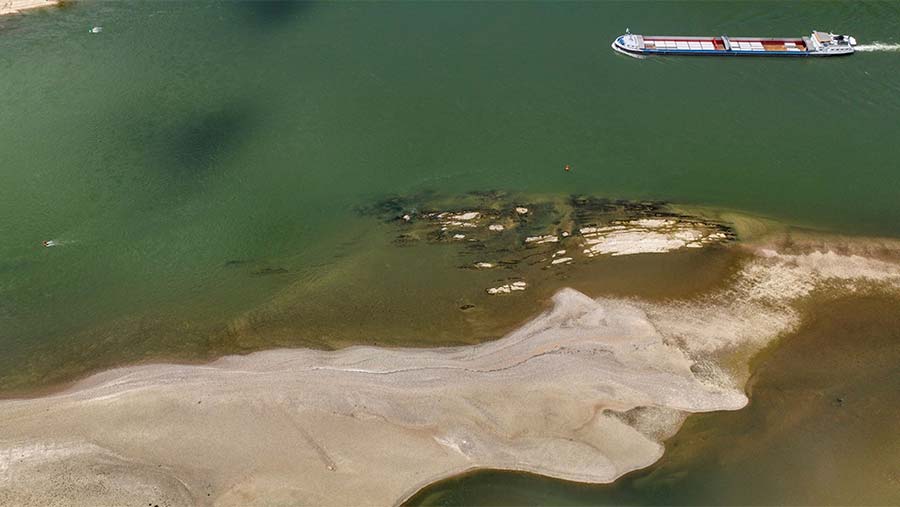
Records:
x=878, y=47
x=627, y=53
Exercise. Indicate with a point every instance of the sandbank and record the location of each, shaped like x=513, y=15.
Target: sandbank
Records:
x=17, y=6
x=585, y=391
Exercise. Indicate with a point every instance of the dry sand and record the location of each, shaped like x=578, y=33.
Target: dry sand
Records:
x=583, y=392
x=15, y=6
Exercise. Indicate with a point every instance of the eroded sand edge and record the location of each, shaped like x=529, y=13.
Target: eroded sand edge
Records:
x=585, y=392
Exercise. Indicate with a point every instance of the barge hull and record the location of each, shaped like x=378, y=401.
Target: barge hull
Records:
x=818, y=44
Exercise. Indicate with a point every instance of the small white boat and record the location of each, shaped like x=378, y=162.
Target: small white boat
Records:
x=817, y=44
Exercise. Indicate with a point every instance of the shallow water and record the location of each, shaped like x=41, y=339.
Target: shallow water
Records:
x=201, y=161
x=201, y=165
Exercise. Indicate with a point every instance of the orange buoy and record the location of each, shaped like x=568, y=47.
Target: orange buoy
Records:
x=568, y=168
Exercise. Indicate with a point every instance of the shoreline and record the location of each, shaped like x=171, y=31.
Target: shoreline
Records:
x=462, y=276
x=582, y=392
x=286, y=271
x=803, y=388
x=461, y=313
x=332, y=425
x=8, y=7
x=592, y=282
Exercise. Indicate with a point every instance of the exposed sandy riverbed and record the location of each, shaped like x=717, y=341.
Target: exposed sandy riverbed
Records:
x=585, y=391
x=15, y=6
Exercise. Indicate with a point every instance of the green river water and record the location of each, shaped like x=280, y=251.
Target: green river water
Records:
x=201, y=163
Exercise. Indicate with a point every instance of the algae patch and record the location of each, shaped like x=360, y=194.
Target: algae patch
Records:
x=522, y=233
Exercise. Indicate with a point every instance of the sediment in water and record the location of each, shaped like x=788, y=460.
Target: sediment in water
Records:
x=371, y=289
x=585, y=391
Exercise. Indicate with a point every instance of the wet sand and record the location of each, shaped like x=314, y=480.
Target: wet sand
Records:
x=361, y=425
x=587, y=392
x=365, y=294
x=819, y=430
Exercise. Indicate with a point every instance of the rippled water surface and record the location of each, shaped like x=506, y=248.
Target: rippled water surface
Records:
x=190, y=145
x=201, y=165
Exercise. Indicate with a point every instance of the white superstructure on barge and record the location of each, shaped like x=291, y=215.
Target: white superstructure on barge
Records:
x=817, y=44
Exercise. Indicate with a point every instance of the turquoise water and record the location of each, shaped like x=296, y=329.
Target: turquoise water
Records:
x=187, y=135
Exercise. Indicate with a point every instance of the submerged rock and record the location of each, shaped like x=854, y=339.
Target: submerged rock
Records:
x=269, y=271
x=540, y=233
x=538, y=240
x=507, y=288
x=468, y=215
x=648, y=235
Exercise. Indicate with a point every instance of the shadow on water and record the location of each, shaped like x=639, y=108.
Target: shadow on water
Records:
x=172, y=154
x=820, y=429
x=202, y=138
x=185, y=146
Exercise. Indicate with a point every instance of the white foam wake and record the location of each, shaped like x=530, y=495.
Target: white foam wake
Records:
x=627, y=53
x=877, y=47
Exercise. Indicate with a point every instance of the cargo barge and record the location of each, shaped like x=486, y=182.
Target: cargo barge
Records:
x=817, y=44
